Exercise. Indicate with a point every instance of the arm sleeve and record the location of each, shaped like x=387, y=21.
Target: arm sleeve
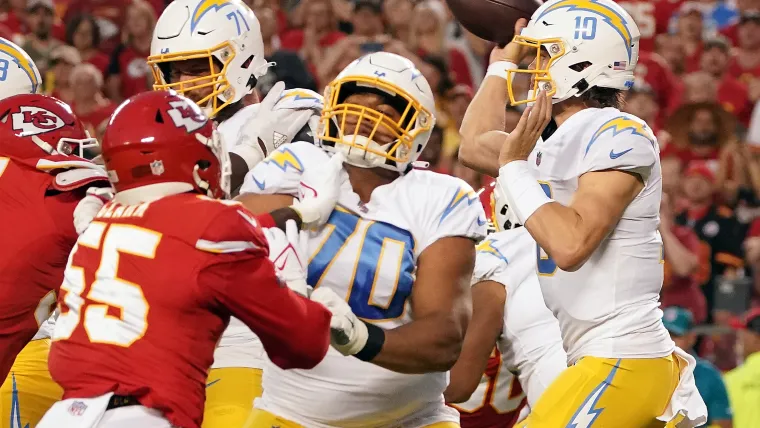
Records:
x=622, y=143
x=240, y=278
x=280, y=173
x=454, y=210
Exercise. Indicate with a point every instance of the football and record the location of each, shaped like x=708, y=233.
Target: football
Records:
x=492, y=20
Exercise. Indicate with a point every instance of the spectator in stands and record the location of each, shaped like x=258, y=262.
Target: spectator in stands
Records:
x=739, y=177
x=672, y=50
x=438, y=75
x=457, y=100
x=398, y=16
x=743, y=8
x=338, y=57
x=742, y=381
x=90, y=104
x=11, y=15
x=679, y=322
x=689, y=30
x=732, y=94
x=745, y=64
x=641, y=101
x=319, y=32
x=681, y=283
x=57, y=81
x=699, y=87
x=698, y=132
x=714, y=225
x=39, y=41
x=653, y=71
x=428, y=38
x=84, y=34
x=367, y=21
x=288, y=67
x=128, y=72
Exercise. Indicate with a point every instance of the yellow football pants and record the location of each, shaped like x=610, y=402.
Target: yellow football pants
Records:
x=229, y=396
x=28, y=391
x=263, y=419
x=607, y=393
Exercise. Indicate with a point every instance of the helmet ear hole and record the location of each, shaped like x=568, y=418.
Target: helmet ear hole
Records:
x=159, y=117
x=204, y=164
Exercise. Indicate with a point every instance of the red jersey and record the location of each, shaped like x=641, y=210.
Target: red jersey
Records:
x=497, y=401
x=653, y=70
x=652, y=18
x=150, y=288
x=133, y=69
x=742, y=73
x=96, y=120
x=36, y=223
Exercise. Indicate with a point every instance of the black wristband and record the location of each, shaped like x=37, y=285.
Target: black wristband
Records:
x=375, y=341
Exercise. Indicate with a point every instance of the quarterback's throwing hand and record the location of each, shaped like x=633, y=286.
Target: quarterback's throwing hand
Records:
x=522, y=140
x=287, y=251
x=319, y=191
x=348, y=334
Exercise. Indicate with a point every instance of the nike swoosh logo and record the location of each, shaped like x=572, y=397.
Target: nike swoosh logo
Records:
x=212, y=382
x=614, y=155
x=481, y=222
x=261, y=184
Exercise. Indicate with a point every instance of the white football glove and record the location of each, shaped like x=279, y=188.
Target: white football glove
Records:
x=348, y=334
x=280, y=116
x=319, y=191
x=287, y=251
x=89, y=206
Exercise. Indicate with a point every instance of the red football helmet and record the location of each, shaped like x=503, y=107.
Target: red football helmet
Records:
x=45, y=121
x=162, y=137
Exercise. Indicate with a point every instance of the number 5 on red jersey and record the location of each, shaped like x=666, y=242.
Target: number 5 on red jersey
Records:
x=107, y=289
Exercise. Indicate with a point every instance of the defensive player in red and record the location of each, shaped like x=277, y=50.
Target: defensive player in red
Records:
x=153, y=280
x=42, y=179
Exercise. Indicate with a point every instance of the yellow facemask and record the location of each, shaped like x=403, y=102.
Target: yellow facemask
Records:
x=404, y=130
x=217, y=80
x=542, y=78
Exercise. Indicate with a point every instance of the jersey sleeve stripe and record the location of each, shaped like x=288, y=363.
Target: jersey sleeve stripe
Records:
x=224, y=247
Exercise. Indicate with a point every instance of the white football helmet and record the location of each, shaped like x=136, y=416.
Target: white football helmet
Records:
x=588, y=43
x=18, y=73
x=404, y=88
x=226, y=33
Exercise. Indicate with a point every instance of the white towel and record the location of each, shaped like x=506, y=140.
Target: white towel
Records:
x=686, y=408
x=76, y=413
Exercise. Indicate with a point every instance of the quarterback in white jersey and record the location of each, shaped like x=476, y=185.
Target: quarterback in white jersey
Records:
x=508, y=310
x=212, y=52
x=28, y=391
x=396, y=258
x=589, y=194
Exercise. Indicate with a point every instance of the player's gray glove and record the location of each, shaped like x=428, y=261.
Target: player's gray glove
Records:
x=319, y=191
x=279, y=117
x=348, y=334
x=287, y=251
x=89, y=206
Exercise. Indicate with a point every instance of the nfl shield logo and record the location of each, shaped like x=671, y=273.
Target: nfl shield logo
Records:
x=538, y=159
x=77, y=408
x=157, y=167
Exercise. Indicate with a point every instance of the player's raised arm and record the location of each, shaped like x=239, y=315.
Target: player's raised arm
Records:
x=293, y=330
x=483, y=125
x=488, y=299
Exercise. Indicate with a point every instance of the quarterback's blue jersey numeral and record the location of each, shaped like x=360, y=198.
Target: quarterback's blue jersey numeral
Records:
x=545, y=264
x=385, y=251
x=4, y=63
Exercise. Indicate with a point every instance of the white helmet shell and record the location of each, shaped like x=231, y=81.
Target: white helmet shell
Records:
x=403, y=85
x=227, y=33
x=18, y=73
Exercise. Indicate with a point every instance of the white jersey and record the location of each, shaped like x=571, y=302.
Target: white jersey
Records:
x=609, y=308
x=238, y=347
x=368, y=253
x=531, y=342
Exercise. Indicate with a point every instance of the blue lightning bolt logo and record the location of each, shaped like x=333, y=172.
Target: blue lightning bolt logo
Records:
x=487, y=247
x=621, y=124
x=462, y=195
x=585, y=416
x=613, y=17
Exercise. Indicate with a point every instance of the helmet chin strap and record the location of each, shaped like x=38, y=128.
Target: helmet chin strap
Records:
x=201, y=183
x=44, y=146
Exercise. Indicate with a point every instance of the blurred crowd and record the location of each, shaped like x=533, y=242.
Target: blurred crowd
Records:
x=698, y=84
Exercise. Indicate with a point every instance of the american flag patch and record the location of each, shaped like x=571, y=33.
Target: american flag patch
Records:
x=619, y=65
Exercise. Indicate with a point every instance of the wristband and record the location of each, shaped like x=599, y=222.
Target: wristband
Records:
x=375, y=342
x=521, y=188
x=499, y=69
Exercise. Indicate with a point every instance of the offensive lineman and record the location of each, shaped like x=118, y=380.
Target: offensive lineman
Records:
x=589, y=194
x=213, y=53
x=393, y=263
x=508, y=311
